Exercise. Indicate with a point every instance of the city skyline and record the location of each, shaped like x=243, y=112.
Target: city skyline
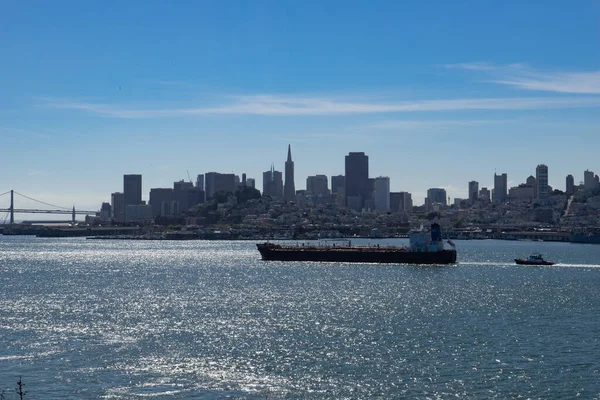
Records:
x=436, y=95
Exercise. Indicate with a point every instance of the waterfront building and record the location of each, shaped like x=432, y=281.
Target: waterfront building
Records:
x=289, y=189
x=105, y=212
x=138, y=213
x=216, y=182
x=169, y=208
x=381, y=194
x=357, y=179
x=436, y=196
x=570, y=185
x=473, y=191
x=500, y=188
x=158, y=196
x=132, y=191
x=117, y=204
x=541, y=179
x=273, y=184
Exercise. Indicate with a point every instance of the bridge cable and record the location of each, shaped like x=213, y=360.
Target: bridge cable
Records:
x=2, y=194
x=39, y=201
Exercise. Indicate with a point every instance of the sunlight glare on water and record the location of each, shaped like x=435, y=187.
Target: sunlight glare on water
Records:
x=135, y=319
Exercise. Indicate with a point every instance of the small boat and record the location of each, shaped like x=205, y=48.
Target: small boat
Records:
x=534, y=259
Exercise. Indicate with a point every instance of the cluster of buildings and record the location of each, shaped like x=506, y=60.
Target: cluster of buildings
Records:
x=535, y=189
x=355, y=191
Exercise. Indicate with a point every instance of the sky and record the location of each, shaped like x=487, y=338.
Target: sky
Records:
x=436, y=93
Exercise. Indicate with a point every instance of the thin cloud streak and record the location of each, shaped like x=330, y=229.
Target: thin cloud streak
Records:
x=417, y=124
x=524, y=77
x=273, y=105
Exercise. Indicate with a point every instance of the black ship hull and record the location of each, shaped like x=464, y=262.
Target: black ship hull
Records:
x=274, y=252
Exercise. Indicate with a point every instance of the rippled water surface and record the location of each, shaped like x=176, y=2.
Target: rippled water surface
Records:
x=206, y=319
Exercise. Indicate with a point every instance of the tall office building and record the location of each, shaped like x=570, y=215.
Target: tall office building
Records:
x=187, y=195
x=588, y=180
x=317, y=185
x=200, y=181
x=132, y=191
x=289, y=189
x=381, y=194
x=273, y=184
x=117, y=203
x=500, y=192
x=357, y=179
x=337, y=182
x=158, y=198
x=484, y=195
x=216, y=182
x=541, y=180
x=436, y=195
x=570, y=186
x=473, y=191
x=400, y=201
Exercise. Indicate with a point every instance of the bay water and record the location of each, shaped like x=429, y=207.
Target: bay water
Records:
x=116, y=319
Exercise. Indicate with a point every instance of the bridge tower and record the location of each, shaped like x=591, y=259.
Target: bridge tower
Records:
x=73, y=216
x=12, y=207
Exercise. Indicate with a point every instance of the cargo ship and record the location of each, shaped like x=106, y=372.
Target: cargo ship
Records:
x=424, y=248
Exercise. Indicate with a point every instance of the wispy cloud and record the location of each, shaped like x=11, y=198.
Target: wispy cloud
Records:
x=524, y=77
x=439, y=124
x=280, y=105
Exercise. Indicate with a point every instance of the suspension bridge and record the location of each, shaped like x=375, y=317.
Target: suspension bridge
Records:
x=11, y=210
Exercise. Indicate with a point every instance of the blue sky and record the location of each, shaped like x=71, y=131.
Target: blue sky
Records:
x=437, y=93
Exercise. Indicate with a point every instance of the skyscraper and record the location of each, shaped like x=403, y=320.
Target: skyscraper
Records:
x=132, y=192
x=541, y=180
x=588, y=180
x=337, y=182
x=132, y=189
x=570, y=187
x=382, y=193
x=500, y=188
x=273, y=183
x=437, y=195
x=317, y=185
x=357, y=179
x=289, y=189
x=473, y=191
x=117, y=203
x=216, y=182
